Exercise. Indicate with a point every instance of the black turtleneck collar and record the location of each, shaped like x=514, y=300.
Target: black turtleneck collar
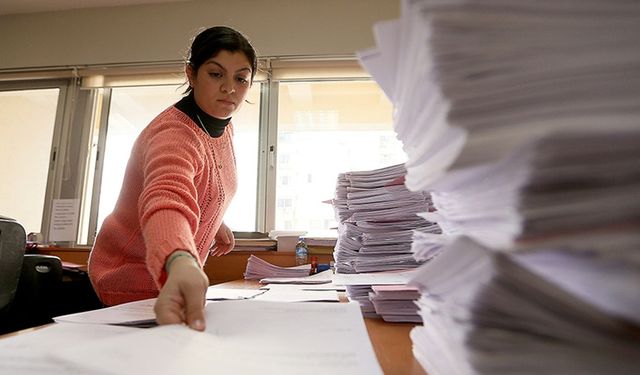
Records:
x=211, y=125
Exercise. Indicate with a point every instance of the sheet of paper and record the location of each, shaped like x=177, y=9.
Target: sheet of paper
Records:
x=127, y=312
x=296, y=293
x=64, y=220
x=28, y=353
x=242, y=337
x=379, y=278
x=217, y=294
x=329, y=286
x=319, y=278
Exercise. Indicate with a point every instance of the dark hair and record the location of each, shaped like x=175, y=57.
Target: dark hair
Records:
x=211, y=41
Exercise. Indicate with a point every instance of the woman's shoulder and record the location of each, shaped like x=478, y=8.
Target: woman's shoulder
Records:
x=174, y=125
x=172, y=130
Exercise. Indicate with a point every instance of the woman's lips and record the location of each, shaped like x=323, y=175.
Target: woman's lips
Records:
x=226, y=102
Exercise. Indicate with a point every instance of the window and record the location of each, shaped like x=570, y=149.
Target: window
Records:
x=132, y=108
x=27, y=123
x=305, y=121
x=325, y=128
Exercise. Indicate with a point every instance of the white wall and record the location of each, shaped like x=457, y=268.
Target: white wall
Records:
x=162, y=32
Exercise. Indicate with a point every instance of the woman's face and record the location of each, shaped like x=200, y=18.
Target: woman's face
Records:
x=221, y=83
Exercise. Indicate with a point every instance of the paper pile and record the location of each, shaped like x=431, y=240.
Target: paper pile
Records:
x=521, y=121
x=377, y=219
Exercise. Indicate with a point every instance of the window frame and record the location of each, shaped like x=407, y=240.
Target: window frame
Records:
x=60, y=139
x=83, y=112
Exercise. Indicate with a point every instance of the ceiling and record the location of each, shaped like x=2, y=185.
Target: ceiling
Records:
x=34, y=6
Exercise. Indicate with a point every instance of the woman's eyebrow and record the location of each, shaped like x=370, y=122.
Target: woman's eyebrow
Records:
x=223, y=68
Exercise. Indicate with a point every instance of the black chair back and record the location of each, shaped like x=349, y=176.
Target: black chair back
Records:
x=13, y=241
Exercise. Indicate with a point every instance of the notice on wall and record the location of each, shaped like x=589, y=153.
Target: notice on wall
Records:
x=64, y=220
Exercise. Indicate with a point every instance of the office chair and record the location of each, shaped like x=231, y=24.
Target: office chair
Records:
x=38, y=291
x=12, y=245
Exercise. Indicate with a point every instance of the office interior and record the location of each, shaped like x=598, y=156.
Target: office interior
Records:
x=64, y=68
x=529, y=258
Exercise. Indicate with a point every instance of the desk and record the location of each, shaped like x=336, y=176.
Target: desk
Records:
x=390, y=341
x=218, y=269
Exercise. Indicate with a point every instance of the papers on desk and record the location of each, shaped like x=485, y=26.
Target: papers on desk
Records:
x=222, y=294
x=552, y=311
x=258, y=268
x=521, y=120
x=563, y=183
x=141, y=314
x=242, y=337
x=126, y=313
x=375, y=278
x=469, y=81
x=30, y=353
x=396, y=303
x=323, y=277
x=274, y=293
x=359, y=287
x=255, y=244
x=377, y=218
x=295, y=293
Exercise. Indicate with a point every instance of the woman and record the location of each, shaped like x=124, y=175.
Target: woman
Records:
x=178, y=183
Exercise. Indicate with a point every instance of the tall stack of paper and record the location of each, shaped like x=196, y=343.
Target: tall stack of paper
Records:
x=575, y=189
x=378, y=222
x=471, y=79
x=377, y=218
x=543, y=312
x=521, y=119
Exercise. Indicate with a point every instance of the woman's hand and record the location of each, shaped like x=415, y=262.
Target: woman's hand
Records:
x=182, y=298
x=224, y=241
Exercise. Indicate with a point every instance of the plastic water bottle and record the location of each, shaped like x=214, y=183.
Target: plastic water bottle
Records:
x=301, y=252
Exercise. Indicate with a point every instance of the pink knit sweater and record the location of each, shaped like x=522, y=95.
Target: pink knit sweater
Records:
x=177, y=186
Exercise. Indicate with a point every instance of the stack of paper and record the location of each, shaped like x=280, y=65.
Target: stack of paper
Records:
x=359, y=287
x=554, y=190
x=542, y=312
x=521, y=120
x=470, y=80
x=360, y=294
x=396, y=303
x=258, y=269
x=321, y=242
x=377, y=219
x=255, y=244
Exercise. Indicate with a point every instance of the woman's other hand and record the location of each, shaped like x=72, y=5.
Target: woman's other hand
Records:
x=182, y=298
x=224, y=241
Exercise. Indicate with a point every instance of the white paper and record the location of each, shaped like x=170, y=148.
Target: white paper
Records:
x=64, y=220
x=379, y=278
x=242, y=337
x=214, y=293
x=29, y=353
x=323, y=277
x=126, y=312
x=329, y=286
x=296, y=293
